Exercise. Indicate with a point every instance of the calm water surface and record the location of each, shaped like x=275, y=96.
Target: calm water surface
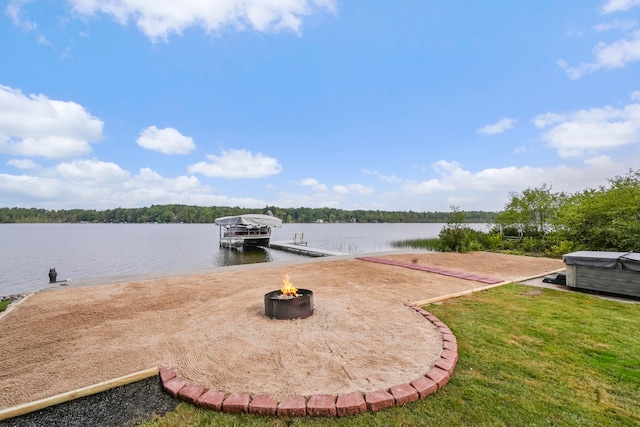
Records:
x=77, y=251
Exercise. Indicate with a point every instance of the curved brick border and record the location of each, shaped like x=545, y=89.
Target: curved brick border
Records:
x=323, y=405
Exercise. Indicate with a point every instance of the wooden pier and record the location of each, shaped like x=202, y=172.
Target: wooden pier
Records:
x=303, y=249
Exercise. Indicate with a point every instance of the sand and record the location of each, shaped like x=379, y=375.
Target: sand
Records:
x=211, y=327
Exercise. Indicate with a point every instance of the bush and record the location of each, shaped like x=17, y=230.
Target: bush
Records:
x=456, y=239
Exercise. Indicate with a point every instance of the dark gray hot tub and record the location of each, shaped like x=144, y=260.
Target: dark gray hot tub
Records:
x=616, y=273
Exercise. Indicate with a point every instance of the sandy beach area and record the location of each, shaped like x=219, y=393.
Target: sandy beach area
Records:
x=211, y=327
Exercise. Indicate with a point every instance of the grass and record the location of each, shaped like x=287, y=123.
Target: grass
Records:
x=4, y=304
x=528, y=356
x=432, y=244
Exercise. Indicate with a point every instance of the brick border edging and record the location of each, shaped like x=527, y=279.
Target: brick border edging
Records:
x=323, y=405
x=436, y=270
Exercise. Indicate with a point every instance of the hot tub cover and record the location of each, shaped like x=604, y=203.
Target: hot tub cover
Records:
x=593, y=259
x=630, y=261
x=624, y=260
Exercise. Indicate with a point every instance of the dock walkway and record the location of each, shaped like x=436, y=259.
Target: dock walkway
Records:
x=291, y=246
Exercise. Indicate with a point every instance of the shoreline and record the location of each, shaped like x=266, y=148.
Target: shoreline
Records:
x=106, y=280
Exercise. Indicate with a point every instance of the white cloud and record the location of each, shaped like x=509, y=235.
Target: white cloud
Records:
x=158, y=19
x=360, y=189
x=309, y=182
x=14, y=12
x=388, y=178
x=635, y=95
x=43, y=40
x=427, y=187
x=490, y=179
x=454, y=178
x=340, y=189
x=355, y=188
x=501, y=126
x=488, y=189
x=312, y=200
x=22, y=163
x=521, y=150
x=611, y=6
x=32, y=190
x=608, y=56
x=165, y=141
x=150, y=181
x=590, y=131
x=91, y=171
x=444, y=167
x=620, y=52
x=149, y=187
x=92, y=184
x=602, y=162
x=616, y=24
x=504, y=178
x=314, y=184
x=35, y=125
x=235, y=164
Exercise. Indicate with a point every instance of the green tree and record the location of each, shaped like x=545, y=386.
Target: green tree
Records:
x=456, y=236
x=607, y=218
x=530, y=212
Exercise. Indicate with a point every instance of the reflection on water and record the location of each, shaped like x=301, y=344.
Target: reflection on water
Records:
x=238, y=256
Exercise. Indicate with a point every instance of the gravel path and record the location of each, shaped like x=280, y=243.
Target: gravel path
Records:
x=127, y=405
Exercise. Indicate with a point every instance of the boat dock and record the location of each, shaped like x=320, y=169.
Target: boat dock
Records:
x=302, y=248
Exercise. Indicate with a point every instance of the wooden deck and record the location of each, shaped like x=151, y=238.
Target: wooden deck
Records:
x=290, y=246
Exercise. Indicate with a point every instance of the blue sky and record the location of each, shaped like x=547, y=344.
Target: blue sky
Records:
x=413, y=105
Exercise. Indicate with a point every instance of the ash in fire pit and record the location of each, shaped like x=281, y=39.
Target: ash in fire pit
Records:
x=288, y=302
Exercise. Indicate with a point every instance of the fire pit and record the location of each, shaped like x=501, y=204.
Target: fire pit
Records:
x=288, y=302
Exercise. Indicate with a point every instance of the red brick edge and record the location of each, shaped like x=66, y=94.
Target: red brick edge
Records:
x=436, y=270
x=323, y=405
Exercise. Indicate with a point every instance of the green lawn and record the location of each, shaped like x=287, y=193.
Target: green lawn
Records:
x=528, y=356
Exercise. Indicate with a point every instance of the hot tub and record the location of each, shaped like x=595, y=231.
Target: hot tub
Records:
x=614, y=273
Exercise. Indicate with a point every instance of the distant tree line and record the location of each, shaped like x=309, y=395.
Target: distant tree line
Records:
x=535, y=221
x=202, y=214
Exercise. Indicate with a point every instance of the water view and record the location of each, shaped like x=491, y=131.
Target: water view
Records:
x=80, y=251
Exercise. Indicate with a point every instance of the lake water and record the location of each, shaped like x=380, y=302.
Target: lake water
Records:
x=77, y=251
